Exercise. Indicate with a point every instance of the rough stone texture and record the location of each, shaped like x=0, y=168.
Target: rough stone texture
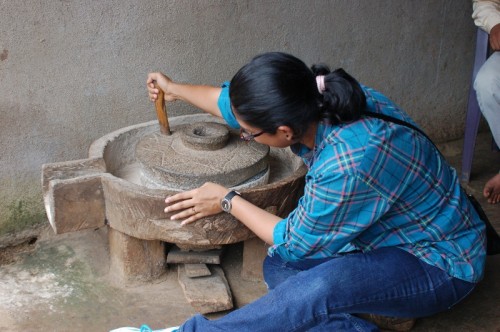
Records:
x=207, y=294
x=133, y=260
x=169, y=161
x=194, y=257
x=254, y=252
x=208, y=136
x=196, y=270
x=135, y=213
x=73, y=194
x=71, y=71
x=138, y=211
x=140, y=214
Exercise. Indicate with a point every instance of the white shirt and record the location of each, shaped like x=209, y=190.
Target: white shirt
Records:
x=486, y=13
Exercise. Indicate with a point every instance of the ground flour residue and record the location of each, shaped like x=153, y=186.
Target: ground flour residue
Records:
x=19, y=288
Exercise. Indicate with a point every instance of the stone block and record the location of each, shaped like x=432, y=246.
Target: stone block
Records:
x=207, y=294
x=254, y=252
x=176, y=256
x=73, y=195
x=197, y=270
x=134, y=260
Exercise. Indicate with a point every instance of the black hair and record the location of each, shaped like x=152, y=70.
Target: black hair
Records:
x=343, y=99
x=276, y=89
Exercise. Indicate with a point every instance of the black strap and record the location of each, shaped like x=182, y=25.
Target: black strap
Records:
x=492, y=237
x=389, y=118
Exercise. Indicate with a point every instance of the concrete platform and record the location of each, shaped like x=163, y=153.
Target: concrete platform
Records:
x=62, y=282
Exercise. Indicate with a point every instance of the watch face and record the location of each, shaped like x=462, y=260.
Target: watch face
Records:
x=226, y=206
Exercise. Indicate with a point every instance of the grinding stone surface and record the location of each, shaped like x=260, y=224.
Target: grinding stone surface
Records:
x=167, y=160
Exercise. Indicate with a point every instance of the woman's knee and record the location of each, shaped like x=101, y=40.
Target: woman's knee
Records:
x=275, y=271
x=484, y=83
x=488, y=77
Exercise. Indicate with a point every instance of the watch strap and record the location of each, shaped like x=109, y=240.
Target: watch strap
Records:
x=226, y=201
x=231, y=194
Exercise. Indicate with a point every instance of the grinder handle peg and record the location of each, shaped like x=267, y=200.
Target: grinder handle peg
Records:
x=161, y=111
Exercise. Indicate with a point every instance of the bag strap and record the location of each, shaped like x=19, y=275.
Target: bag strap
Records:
x=389, y=118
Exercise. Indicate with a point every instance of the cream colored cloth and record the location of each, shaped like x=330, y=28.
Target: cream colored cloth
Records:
x=486, y=13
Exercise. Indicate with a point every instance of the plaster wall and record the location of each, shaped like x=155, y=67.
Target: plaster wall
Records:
x=72, y=71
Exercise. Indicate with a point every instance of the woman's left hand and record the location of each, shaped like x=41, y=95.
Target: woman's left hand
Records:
x=197, y=203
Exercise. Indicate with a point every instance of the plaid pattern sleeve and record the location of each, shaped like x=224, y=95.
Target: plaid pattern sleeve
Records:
x=374, y=184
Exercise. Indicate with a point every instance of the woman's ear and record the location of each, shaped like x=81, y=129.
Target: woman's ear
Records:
x=285, y=132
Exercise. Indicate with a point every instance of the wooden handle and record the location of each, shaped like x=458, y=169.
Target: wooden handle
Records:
x=161, y=112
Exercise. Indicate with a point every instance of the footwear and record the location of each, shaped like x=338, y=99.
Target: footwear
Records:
x=390, y=323
x=144, y=328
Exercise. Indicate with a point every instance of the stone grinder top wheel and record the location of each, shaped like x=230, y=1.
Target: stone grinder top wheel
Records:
x=192, y=154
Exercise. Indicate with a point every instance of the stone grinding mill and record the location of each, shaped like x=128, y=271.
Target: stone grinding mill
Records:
x=129, y=172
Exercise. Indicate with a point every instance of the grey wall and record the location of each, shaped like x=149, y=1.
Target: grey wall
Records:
x=72, y=71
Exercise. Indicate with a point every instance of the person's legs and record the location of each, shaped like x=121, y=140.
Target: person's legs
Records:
x=487, y=86
x=492, y=189
x=387, y=281
x=276, y=270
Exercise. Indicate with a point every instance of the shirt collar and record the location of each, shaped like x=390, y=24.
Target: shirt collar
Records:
x=303, y=151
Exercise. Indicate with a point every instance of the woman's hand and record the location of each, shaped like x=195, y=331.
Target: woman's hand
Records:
x=204, y=97
x=197, y=203
x=164, y=83
x=495, y=38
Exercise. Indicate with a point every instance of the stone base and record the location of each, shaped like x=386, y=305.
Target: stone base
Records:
x=206, y=294
x=197, y=270
x=254, y=252
x=135, y=260
x=177, y=256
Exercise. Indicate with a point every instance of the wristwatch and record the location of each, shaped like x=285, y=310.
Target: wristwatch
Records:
x=225, y=203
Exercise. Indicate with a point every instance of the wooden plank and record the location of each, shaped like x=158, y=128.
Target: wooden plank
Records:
x=177, y=256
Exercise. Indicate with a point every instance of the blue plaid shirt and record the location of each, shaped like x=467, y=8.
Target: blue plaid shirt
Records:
x=373, y=184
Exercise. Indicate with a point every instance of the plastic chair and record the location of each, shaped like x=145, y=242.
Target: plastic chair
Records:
x=473, y=112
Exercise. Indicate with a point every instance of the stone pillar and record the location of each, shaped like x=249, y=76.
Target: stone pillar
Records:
x=133, y=259
x=254, y=252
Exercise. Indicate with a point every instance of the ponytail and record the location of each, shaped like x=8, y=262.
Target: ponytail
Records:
x=343, y=99
x=276, y=89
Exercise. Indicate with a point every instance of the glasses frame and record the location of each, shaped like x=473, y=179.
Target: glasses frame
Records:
x=247, y=137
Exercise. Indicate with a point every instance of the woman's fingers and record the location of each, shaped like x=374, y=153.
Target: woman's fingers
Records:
x=187, y=215
x=161, y=80
x=195, y=204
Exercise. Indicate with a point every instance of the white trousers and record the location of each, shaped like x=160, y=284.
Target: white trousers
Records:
x=487, y=86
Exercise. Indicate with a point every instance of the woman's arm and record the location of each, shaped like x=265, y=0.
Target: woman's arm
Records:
x=206, y=201
x=203, y=97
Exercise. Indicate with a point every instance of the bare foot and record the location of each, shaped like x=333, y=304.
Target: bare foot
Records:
x=492, y=189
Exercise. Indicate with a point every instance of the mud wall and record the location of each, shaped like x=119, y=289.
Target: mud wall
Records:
x=72, y=71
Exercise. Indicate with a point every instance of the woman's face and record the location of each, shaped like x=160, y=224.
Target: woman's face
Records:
x=280, y=139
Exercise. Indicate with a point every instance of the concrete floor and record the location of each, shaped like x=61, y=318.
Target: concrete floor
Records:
x=63, y=284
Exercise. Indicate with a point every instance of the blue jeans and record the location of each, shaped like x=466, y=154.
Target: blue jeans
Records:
x=323, y=295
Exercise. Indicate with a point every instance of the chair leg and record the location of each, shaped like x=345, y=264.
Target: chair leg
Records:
x=473, y=111
x=471, y=127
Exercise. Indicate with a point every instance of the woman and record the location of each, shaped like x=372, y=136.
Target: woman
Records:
x=383, y=226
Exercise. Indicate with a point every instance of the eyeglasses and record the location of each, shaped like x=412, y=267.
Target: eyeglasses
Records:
x=246, y=136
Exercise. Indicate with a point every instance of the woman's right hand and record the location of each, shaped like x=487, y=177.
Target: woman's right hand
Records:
x=164, y=83
x=204, y=97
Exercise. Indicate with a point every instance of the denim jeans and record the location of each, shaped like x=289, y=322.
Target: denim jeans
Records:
x=324, y=295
